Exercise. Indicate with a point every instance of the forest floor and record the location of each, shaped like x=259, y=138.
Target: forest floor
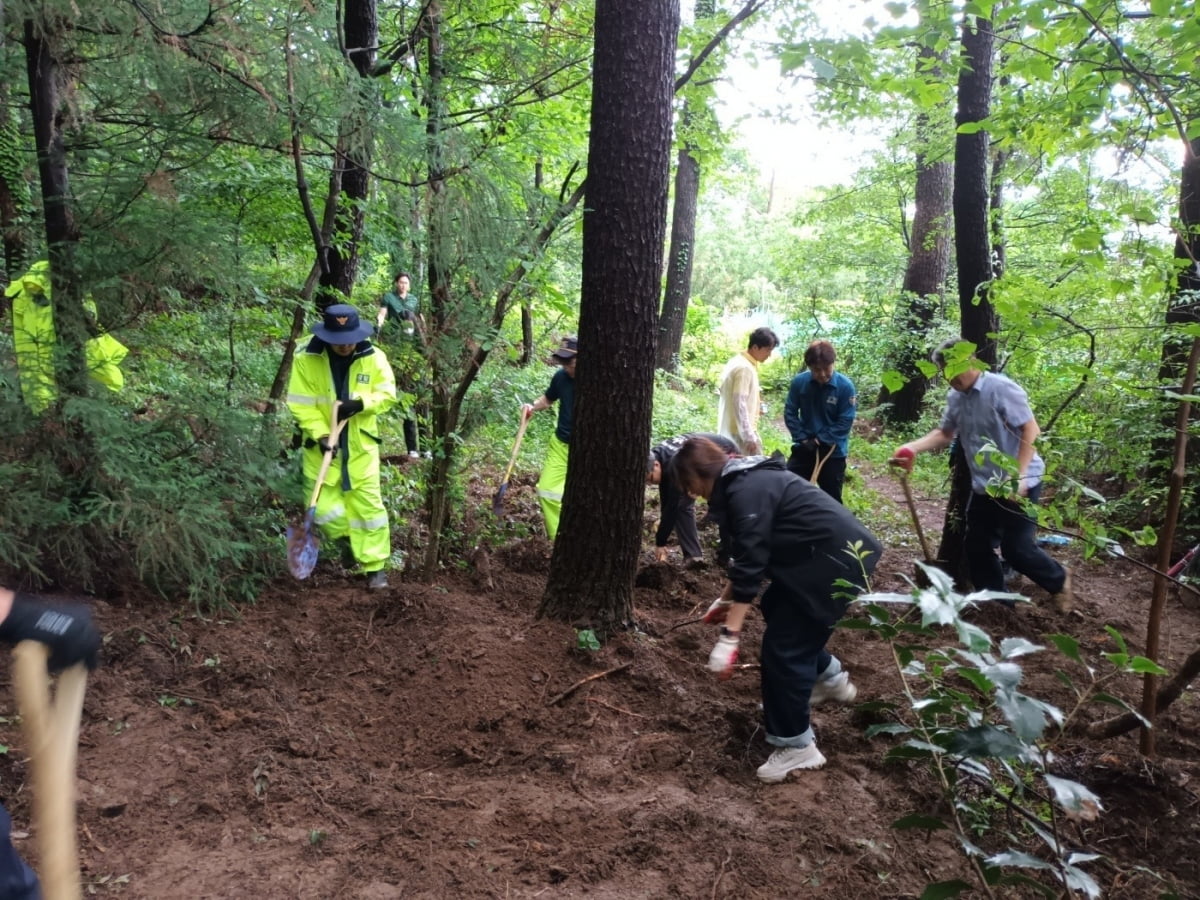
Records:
x=435, y=740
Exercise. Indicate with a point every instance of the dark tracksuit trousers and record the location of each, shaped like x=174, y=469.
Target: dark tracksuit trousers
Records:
x=991, y=519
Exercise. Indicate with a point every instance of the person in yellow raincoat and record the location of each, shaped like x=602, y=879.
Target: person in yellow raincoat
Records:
x=34, y=340
x=341, y=364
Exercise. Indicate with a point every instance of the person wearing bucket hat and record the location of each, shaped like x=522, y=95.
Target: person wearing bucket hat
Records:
x=554, y=470
x=340, y=365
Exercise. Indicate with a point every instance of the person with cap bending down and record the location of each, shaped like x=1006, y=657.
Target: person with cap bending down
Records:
x=554, y=470
x=341, y=365
x=677, y=508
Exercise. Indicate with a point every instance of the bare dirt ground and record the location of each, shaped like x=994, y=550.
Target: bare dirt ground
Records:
x=438, y=741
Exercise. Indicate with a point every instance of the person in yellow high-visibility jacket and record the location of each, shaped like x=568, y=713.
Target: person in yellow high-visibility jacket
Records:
x=341, y=364
x=34, y=339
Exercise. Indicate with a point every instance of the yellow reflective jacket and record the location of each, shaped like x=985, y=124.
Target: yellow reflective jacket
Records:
x=34, y=339
x=311, y=396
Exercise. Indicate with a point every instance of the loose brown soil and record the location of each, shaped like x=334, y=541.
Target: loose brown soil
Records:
x=438, y=741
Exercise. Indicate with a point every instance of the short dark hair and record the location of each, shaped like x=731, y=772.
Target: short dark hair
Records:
x=820, y=353
x=698, y=464
x=400, y=275
x=764, y=337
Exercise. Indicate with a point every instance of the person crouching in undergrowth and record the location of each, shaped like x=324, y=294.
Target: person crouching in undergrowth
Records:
x=781, y=528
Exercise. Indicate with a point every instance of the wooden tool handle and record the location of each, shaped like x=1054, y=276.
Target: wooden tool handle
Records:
x=516, y=447
x=52, y=732
x=335, y=431
x=912, y=509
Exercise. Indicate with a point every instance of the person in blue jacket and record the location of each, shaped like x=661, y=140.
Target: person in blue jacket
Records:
x=813, y=555
x=819, y=412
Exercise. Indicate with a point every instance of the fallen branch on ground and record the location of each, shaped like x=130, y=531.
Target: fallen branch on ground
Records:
x=581, y=682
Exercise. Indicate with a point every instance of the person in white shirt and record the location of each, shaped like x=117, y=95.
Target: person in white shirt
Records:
x=740, y=402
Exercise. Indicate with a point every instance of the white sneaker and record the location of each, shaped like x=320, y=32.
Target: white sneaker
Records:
x=788, y=759
x=837, y=689
x=414, y=454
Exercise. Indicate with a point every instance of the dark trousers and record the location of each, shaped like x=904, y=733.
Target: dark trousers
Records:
x=410, y=435
x=17, y=881
x=685, y=528
x=990, y=519
x=793, y=654
x=832, y=475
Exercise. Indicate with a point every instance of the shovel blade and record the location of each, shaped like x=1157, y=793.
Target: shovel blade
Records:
x=303, y=547
x=498, y=500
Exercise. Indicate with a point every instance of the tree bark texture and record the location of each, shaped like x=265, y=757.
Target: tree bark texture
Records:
x=352, y=160
x=680, y=258
x=972, y=190
x=624, y=226
x=928, y=266
x=972, y=232
x=48, y=108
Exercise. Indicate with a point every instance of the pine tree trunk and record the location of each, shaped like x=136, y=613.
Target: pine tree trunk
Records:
x=624, y=226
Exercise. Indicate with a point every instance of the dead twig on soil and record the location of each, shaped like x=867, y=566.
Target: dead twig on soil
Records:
x=721, y=873
x=685, y=622
x=627, y=712
x=87, y=832
x=581, y=682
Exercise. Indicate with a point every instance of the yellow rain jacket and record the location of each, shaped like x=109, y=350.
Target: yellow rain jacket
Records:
x=350, y=503
x=34, y=339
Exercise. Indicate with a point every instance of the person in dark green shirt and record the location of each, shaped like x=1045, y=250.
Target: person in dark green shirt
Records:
x=398, y=322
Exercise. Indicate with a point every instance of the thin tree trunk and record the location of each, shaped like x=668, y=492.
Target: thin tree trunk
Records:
x=680, y=258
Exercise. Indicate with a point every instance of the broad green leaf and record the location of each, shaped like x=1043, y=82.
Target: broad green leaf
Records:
x=1011, y=648
x=1144, y=666
x=986, y=741
x=1117, y=701
x=1068, y=646
x=887, y=728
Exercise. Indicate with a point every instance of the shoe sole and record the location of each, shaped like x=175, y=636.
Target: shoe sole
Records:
x=773, y=779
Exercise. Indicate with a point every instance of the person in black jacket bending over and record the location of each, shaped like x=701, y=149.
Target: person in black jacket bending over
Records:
x=677, y=510
x=783, y=529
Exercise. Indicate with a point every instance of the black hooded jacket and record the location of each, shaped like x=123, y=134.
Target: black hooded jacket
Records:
x=776, y=526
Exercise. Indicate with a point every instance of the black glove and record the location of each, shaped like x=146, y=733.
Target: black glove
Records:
x=66, y=628
x=809, y=445
x=347, y=408
x=327, y=446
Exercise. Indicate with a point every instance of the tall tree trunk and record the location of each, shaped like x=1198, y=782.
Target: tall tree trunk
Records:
x=679, y=261
x=972, y=191
x=972, y=233
x=350, y=181
x=928, y=259
x=442, y=412
x=48, y=107
x=624, y=226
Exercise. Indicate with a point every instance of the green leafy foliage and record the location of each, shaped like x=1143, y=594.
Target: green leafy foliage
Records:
x=988, y=744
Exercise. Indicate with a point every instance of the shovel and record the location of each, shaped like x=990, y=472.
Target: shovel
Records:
x=51, y=728
x=302, y=543
x=912, y=510
x=820, y=464
x=498, y=499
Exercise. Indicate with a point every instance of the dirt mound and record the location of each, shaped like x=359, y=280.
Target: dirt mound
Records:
x=439, y=741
